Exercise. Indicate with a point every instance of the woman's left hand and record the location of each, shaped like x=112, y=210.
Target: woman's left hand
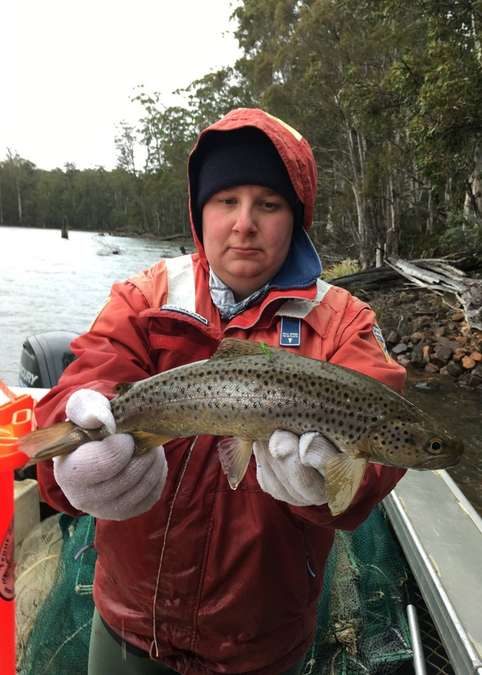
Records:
x=291, y=467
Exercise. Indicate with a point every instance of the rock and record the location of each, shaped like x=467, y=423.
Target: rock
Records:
x=426, y=353
x=417, y=336
x=458, y=354
x=439, y=331
x=475, y=378
x=468, y=363
x=401, y=348
x=427, y=386
x=464, y=380
x=393, y=338
x=447, y=342
x=431, y=368
x=444, y=371
x=403, y=360
x=454, y=369
x=441, y=355
x=417, y=356
x=457, y=316
x=476, y=356
x=422, y=321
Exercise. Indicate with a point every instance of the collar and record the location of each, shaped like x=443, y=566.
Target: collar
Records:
x=223, y=297
x=302, y=266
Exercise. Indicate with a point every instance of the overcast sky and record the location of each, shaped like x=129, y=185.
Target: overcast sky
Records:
x=70, y=67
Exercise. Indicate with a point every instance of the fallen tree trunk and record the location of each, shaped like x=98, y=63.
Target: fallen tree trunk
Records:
x=439, y=276
x=436, y=274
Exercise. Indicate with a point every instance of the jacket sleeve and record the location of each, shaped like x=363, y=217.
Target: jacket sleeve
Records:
x=360, y=346
x=114, y=350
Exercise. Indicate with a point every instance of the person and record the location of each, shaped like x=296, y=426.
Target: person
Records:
x=191, y=576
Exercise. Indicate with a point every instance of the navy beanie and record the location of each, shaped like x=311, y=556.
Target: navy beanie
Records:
x=242, y=157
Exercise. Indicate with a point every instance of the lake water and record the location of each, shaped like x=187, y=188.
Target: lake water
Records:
x=50, y=283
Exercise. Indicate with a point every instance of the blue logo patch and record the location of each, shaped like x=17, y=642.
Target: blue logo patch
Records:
x=290, y=332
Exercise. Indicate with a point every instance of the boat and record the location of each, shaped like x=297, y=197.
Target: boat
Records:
x=438, y=532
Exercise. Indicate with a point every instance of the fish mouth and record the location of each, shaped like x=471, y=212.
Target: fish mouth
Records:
x=438, y=462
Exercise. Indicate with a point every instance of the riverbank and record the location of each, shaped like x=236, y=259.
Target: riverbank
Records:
x=428, y=336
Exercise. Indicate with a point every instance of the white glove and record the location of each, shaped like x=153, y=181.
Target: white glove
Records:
x=102, y=477
x=291, y=467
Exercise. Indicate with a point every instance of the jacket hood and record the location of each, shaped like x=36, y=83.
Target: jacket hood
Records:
x=302, y=265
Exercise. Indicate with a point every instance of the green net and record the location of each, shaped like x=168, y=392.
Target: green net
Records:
x=362, y=625
x=361, y=615
x=58, y=641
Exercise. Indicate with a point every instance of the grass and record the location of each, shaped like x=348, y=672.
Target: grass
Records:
x=341, y=269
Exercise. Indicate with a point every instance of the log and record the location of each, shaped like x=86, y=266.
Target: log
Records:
x=441, y=277
x=436, y=274
x=367, y=280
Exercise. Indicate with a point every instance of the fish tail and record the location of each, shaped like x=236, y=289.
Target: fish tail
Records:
x=58, y=439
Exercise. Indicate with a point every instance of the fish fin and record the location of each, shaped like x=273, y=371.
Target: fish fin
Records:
x=232, y=348
x=123, y=388
x=145, y=441
x=58, y=439
x=343, y=476
x=234, y=455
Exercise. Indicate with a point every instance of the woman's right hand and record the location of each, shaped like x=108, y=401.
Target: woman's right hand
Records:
x=103, y=478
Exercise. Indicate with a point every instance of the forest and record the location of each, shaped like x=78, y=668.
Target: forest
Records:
x=389, y=94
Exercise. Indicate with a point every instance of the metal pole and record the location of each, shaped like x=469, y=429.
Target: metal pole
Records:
x=418, y=656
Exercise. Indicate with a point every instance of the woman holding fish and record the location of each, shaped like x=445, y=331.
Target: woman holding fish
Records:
x=191, y=575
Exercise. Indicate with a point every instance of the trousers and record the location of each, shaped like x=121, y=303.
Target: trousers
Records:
x=106, y=657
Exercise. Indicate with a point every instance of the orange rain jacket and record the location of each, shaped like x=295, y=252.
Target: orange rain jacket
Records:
x=210, y=580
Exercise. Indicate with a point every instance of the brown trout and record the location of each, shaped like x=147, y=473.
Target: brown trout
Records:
x=246, y=391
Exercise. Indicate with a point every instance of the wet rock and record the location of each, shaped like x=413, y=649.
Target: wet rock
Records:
x=454, y=369
x=475, y=378
x=431, y=368
x=463, y=380
x=441, y=355
x=393, y=338
x=427, y=386
x=468, y=363
x=401, y=348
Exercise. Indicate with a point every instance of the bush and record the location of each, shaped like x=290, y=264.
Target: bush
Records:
x=462, y=234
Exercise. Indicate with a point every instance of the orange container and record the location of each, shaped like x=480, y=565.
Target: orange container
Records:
x=16, y=419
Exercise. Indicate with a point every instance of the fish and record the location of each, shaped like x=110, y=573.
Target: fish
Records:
x=245, y=392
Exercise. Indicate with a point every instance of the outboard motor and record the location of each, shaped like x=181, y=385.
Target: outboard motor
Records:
x=44, y=358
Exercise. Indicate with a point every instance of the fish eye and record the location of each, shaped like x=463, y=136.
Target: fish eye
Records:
x=435, y=446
